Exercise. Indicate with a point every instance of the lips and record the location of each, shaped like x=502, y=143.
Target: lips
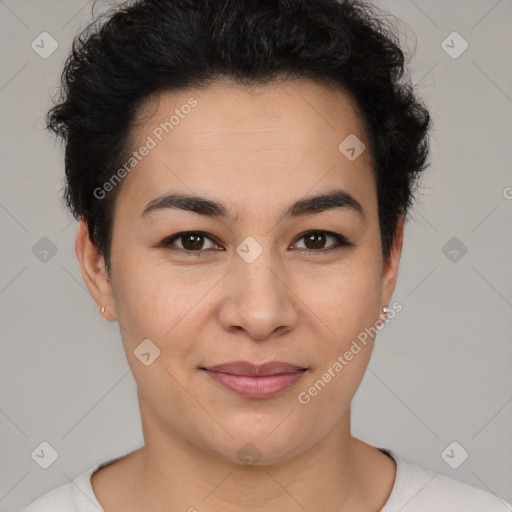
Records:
x=246, y=368
x=255, y=381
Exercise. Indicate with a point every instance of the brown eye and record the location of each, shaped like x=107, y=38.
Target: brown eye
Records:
x=316, y=240
x=192, y=241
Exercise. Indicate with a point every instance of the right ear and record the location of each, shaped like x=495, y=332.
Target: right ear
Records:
x=94, y=271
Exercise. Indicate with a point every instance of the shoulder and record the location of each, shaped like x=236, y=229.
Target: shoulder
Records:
x=76, y=496
x=57, y=500
x=448, y=494
x=418, y=489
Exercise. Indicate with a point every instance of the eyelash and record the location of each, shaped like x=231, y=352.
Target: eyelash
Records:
x=341, y=241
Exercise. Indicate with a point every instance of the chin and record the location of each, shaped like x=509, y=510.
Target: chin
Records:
x=271, y=442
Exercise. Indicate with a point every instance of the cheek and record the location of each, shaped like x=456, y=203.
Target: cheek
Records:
x=348, y=308
x=350, y=315
x=156, y=317
x=166, y=306
x=347, y=297
x=358, y=300
x=347, y=302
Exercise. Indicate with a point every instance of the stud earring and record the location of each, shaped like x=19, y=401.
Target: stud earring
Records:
x=384, y=315
x=103, y=309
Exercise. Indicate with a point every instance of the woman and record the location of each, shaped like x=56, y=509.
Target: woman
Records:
x=242, y=172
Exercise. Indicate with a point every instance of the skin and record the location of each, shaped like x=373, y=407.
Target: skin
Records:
x=256, y=152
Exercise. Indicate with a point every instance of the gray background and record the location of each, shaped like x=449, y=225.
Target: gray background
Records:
x=440, y=371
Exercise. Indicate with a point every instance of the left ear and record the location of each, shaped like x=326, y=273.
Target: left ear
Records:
x=390, y=269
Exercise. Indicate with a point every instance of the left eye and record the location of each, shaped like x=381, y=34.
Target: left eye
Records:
x=193, y=241
x=319, y=237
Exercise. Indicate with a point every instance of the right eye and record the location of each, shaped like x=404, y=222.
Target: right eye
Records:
x=191, y=241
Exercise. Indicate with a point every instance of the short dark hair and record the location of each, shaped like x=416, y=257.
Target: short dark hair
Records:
x=144, y=47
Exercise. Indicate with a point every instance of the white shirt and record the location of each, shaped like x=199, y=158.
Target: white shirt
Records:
x=416, y=489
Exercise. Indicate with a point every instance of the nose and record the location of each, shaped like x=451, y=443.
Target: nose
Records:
x=258, y=299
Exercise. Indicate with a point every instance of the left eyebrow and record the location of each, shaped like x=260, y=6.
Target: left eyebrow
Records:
x=310, y=205
x=316, y=204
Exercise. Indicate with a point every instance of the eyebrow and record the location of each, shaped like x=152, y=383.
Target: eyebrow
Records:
x=310, y=205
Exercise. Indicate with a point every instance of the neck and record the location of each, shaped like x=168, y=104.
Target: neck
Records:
x=173, y=473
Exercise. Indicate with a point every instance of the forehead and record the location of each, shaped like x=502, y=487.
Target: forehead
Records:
x=249, y=143
x=270, y=107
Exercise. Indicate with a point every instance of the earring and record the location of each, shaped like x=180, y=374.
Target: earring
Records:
x=384, y=315
x=103, y=309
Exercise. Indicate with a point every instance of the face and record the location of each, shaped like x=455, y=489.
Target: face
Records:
x=250, y=278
